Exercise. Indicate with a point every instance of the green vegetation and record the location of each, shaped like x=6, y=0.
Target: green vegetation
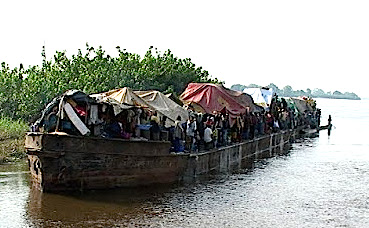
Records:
x=11, y=139
x=25, y=92
x=287, y=91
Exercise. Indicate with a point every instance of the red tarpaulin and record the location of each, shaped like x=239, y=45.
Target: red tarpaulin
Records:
x=207, y=97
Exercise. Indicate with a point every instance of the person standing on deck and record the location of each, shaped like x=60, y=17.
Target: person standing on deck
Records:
x=208, y=137
x=217, y=133
x=225, y=128
x=215, y=137
x=190, y=133
x=259, y=124
x=246, y=126
x=284, y=118
x=155, y=129
x=269, y=122
x=253, y=121
x=178, y=135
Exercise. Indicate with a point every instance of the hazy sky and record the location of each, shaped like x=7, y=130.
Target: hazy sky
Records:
x=305, y=44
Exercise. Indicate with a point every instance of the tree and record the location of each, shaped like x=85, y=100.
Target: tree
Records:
x=351, y=96
x=300, y=93
x=318, y=93
x=93, y=71
x=238, y=87
x=287, y=90
x=308, y=92
x=275, y=88
x=253, y=86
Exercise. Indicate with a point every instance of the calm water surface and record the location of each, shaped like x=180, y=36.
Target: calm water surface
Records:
x=322, y=182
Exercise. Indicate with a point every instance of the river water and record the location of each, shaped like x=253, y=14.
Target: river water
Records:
x=321, y=182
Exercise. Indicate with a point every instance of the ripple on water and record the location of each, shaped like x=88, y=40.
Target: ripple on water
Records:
x=322, y=182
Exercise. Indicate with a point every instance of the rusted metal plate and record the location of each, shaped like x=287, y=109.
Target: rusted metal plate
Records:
x=33, y=141
x=78, y=171
x=79, y=144
x=65, y=163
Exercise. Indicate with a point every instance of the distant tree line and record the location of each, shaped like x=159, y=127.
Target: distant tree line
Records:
x=288, y=91
x=24, y=92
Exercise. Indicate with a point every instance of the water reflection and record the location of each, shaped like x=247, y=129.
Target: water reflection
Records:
x=14, y=185
x=153, y=207
x=109, y=207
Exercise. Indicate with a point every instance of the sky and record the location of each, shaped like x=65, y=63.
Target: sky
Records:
x=305, y=44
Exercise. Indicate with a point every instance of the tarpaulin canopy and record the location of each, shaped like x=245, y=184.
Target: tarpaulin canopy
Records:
x=262, y=97
x=120, y=99
x=67, y=107
x=125, y=96
x=207, y=97
x=152, y=100
x=302, y=104
x=163, y=104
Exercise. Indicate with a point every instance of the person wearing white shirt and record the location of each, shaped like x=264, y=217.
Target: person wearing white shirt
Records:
x=190, y=133
x=208, y=137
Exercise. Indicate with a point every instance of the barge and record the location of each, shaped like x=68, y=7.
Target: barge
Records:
x=60, y=162
x=100, y=141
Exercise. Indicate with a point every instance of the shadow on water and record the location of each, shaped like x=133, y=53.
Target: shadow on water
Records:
x=123, y=206
x=105, y=206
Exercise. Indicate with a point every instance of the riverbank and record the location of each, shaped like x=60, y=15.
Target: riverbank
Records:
x=12, y=139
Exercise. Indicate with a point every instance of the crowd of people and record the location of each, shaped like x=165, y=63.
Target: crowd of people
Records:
x=202, y=131
x=207, y=131
x=199, y=132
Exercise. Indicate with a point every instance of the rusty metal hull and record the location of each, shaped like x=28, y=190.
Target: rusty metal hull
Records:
x=64, y=162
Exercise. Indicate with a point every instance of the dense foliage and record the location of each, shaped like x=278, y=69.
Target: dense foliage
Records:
x=24, y=92
x=287, y=91
x=12, y=139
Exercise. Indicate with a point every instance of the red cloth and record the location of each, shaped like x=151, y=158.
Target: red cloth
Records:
x=214, y=97
x=80, y=110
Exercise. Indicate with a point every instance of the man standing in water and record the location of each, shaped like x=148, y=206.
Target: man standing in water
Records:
x=329, y=120
x=329, y=124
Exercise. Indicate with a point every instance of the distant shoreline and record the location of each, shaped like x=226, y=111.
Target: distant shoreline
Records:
x=340, y=98
x=287, y=91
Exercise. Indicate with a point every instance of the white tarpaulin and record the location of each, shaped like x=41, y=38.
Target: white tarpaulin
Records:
x=163, y=104
x=75, y=119
x=262, y=97
x=117, y=105
x=153, y=100
x=124, y=96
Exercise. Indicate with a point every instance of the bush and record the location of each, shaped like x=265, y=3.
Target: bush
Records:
x=12, y=139
x=25, y=92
